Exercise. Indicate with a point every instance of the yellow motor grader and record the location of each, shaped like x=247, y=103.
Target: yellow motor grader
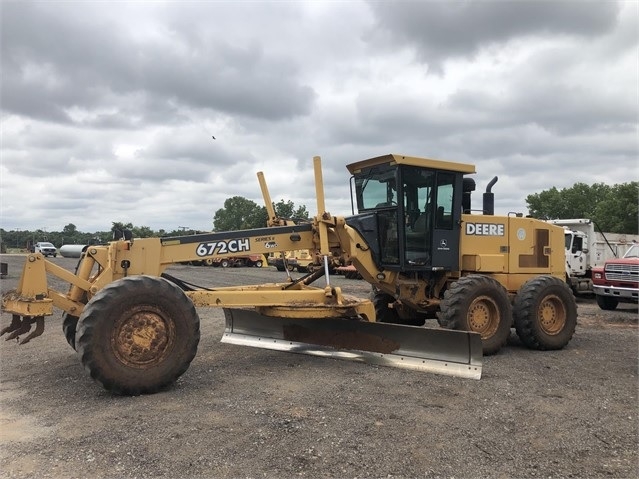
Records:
x=414, y=238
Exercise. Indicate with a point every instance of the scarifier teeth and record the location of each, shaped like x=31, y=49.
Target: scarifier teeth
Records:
x=36, y=332
x=15, y=324
x=22, y=326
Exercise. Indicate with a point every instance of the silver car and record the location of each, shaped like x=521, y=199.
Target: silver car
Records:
x=47, y=249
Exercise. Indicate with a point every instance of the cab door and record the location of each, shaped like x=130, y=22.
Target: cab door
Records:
x=446, y=223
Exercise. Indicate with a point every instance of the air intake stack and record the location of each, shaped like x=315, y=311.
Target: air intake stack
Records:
x=467, y=188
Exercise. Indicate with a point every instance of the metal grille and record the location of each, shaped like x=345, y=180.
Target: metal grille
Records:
x=622, y=272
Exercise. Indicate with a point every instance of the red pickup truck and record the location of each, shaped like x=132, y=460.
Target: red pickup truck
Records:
x=618, y=280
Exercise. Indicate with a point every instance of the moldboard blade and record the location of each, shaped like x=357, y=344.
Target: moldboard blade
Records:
x=442, y=351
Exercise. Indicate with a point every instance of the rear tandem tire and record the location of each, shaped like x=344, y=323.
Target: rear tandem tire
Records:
x=545, y=313
x=69, y=326
x=480, y=304
x=138, y=335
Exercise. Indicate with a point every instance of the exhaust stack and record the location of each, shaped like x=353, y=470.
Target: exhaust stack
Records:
x=489, y=198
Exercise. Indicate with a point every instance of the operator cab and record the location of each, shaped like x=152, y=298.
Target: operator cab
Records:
x=409, y=211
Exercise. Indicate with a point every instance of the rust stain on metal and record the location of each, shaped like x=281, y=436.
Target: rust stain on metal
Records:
x=340, y=339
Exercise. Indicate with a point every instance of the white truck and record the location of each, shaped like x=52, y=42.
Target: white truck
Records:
x=588, y=247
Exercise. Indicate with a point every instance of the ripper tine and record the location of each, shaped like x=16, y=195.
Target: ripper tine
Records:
x=15, y=324
x=36, y=332
x=23, y=328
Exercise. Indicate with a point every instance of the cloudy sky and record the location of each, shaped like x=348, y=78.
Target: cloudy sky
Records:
x=108, y=108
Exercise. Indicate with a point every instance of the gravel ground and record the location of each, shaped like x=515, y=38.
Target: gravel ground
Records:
x=245, y=412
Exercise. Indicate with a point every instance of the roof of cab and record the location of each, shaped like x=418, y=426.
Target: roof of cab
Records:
x=412, y=161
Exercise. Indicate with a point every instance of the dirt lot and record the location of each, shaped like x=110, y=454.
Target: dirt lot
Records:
x=245, y=412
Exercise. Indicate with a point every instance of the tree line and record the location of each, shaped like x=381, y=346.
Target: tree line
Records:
x=614, y=208
x=238, y=213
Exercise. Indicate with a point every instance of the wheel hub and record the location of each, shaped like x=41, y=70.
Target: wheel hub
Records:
x=142, y=337
x=483, y=317
x=552, y=315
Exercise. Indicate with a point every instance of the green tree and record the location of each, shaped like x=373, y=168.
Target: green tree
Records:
x=239, y=213
x=287, y=210
x=619, y=211
x=143, y=232
x=70, y=229
x=613, y=208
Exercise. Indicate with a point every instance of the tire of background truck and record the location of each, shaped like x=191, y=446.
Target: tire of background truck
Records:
x=280, y=268
x=290, y=267
x=606, y=302
x=224, y=263
x=545, y=313
x=258, y=264
x=138, y=335
x=69, y=325
x=480, y=304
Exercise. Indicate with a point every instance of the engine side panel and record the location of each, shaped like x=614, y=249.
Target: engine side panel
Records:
x=513, y=245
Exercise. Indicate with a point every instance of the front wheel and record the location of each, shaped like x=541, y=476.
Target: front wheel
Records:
x=479, y=304
x=545, y=313
x=138, y=335
x=607, y=303
x=69, y=326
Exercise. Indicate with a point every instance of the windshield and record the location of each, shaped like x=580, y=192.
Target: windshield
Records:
x=568, y=239
x=47, y=245
x=376, y=189
x=633, y=252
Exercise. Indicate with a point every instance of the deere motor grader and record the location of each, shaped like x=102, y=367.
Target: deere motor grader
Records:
x=415, y=239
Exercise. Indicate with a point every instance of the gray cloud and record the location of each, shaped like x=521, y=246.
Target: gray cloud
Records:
x=53, y=62
x=108, y=108
x=441, y=30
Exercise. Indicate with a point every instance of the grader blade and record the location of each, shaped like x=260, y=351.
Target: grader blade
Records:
x=442, y=351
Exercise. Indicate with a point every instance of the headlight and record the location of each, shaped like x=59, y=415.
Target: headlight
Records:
x=598, y=276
